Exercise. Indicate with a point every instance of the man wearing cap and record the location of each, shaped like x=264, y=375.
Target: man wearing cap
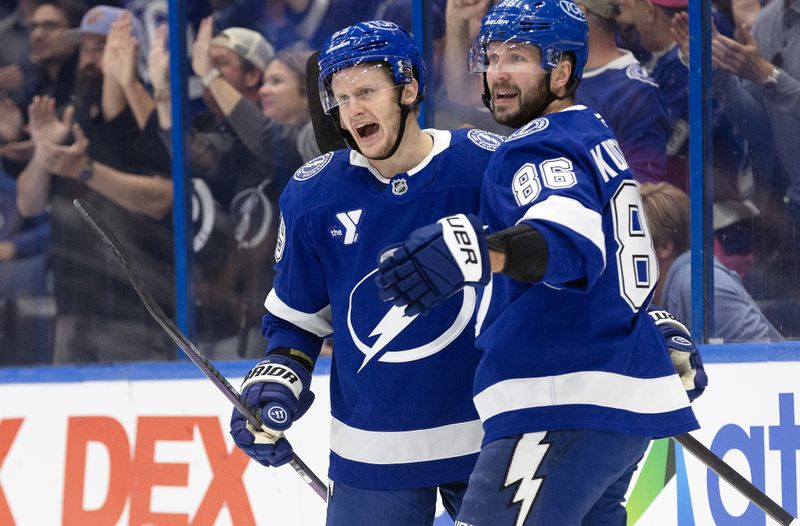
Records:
x=237, y=55
x=737, y=318
x=121, y=172
x=618, y=87
x=235, y=203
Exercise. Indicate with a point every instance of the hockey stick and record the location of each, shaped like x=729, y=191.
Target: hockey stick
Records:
x=325, y=132
x=105, y=233
x=739, y=483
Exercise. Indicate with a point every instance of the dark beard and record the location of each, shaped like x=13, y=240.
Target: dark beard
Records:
x=532, y=105
x=88, y=91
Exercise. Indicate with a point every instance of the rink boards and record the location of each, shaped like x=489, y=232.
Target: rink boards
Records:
x=149, y=444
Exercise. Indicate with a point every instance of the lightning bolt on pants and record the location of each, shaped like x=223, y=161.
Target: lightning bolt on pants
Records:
x=564, y=478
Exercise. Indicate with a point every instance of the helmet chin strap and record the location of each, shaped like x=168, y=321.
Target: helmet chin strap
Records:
x=405, y=110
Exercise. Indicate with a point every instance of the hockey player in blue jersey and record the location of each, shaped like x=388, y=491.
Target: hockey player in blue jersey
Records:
x=575, y=378
x=403, y=424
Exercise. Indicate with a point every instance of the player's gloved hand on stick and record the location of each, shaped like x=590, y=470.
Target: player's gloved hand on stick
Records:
x=682, y=350
x=435, y=262
x=277, y=389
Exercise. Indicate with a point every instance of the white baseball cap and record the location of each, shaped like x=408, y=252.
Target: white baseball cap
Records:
x=602, y=8
x=248, y=44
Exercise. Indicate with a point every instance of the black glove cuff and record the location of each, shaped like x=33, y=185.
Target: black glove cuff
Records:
x=298, y=356
x=525, y=249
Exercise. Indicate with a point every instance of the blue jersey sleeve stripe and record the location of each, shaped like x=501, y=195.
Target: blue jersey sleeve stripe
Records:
x=318, y=323
x=598, y=388
x=570, y=214
x=404, y=447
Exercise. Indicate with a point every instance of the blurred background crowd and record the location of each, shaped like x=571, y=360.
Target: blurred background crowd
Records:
x=85, y=112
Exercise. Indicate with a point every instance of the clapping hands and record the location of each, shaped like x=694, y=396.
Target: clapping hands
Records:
x=121, y=52
x=44, y=124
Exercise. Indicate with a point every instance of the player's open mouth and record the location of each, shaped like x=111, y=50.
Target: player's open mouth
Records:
x=504, y=97
x=367, y=130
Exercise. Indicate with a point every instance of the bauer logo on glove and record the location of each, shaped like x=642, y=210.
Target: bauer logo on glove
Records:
x=462, y=240
x=435, y=262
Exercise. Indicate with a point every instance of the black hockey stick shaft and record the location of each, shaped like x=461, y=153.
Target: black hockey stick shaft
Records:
x=739, y=483
x=101, y=228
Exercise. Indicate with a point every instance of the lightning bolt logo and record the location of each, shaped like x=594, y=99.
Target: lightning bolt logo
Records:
x=525, y=461
x=387, y=330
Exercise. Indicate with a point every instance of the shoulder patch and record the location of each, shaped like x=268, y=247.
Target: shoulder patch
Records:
x=486, y=140
x=637, y=72
x=536, y=125
x=313, y=167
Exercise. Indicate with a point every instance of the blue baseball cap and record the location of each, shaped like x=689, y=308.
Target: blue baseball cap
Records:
x=98, y=20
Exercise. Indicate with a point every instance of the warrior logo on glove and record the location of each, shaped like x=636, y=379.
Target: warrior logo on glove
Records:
x=268, y=369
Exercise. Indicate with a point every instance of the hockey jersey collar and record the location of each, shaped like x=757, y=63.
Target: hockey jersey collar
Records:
x=627, y=59
x=441, y=141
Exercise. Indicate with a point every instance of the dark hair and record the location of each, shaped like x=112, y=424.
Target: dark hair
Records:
x=295, y=60
x=73, y=9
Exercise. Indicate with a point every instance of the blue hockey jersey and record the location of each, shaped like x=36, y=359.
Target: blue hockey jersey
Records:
x=627, y=98
x=578, y=350
x=401, y=387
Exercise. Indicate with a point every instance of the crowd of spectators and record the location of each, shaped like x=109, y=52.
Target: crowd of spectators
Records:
x=85, y=112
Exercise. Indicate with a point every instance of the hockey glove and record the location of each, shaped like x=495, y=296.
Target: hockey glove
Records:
x=435, y=262
x=685, y=356
x=278, y=389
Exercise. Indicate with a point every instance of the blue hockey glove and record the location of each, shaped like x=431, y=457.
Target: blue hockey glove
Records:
x=278, y=389
x=684, y=354
x=435, y=262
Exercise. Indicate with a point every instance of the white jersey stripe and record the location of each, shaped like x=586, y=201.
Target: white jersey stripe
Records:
x=318, y=323
x=404, y=447
x=572, y=214
x=597, y=388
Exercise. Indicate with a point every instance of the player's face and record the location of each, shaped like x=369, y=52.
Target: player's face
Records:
x=516, y=82
x=368, y=107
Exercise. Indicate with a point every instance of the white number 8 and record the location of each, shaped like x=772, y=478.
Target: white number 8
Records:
x=637, y=266
x=526, y=184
